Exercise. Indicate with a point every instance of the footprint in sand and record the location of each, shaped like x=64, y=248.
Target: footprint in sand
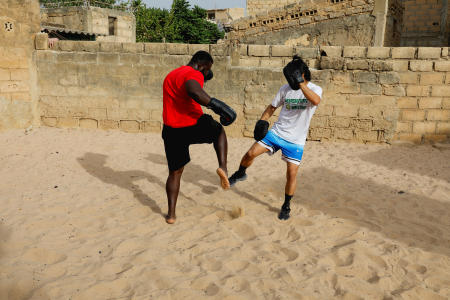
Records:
x=374, y=278
x=293, y=235
x=129, y=247
x=342, y=257
x=211, y=265
x=236, y=284
x=212, y=289
x=290, y=254
x=244, y=231
x=44, y=256
x=204, y=284
x=419, y=269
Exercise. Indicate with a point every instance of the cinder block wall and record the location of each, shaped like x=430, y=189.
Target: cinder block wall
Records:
x=425, y=23
x=371, y=94
x=19, y=21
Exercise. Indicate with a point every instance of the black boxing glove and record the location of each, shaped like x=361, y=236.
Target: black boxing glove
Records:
x=226, y=113
x=293, y=76
x=261, y=129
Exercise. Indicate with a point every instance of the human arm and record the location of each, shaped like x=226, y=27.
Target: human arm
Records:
x=268, y=112
x=196, y=92
x=310, y=95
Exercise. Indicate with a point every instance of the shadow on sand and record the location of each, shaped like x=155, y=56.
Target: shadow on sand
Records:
x=398, y=157
x=95, y=164
x=412, y=219
x=190, y=175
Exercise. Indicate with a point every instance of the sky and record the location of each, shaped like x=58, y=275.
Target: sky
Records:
x=206, y=4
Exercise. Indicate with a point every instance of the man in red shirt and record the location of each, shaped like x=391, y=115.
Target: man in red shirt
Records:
x=185, y=124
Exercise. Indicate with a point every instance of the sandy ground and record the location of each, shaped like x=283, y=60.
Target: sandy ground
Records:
x=81, y=217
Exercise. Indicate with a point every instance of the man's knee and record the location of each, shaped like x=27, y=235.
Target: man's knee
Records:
x=251, y=154
x=176, y=173
x=291, y=175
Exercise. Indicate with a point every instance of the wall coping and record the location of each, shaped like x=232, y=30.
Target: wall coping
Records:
x=398, y=53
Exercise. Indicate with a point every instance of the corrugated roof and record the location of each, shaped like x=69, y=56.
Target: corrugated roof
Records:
x=67, y=30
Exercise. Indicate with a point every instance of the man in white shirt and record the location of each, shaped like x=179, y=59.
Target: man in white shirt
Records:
x=299, y=100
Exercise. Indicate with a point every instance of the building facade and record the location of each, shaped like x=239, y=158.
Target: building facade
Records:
x=105, y=24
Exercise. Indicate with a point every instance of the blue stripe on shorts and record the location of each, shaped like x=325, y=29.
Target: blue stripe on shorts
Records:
x=290, y=152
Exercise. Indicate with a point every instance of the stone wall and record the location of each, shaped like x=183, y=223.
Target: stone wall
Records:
x=425, y=23
x=349, y=22
x=370, y=94
x=387, y=23
x=19, y=21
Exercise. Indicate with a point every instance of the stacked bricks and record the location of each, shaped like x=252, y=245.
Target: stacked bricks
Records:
x=425, y=108
x=19, y=22
x=371, y=95
x=422, y=25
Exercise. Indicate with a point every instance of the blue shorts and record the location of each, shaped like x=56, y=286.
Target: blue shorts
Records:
x=290, y=152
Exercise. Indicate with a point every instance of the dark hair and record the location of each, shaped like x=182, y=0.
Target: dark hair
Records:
x=301, y=65
x=202, y=58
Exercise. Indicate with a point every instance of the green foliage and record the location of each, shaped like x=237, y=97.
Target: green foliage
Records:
x=179, y=25
x=150, y=22
x=182, y=24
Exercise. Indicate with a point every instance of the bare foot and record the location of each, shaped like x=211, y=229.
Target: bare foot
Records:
x=223, y=178
x=170, y=220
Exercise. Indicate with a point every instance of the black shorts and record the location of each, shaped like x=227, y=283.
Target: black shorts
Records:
x=178, y=140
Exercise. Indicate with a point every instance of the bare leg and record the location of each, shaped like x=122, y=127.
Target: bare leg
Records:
x=291, y=178
x=289, y=190
x=172, y=190
x=254, y=151
x=221, y=147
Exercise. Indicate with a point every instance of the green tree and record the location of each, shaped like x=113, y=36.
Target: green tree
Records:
x=186, y=25
x=150, y=22
x=182, y=24
x=179, y=25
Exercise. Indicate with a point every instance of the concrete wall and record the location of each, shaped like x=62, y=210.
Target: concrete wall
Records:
x=390, y=23
x=425, y=23
x=349, y=22
x=19, y=21
x=75, y=18
x=351, y=30
x=226, y=15
x=371, y=94
x=93, y=20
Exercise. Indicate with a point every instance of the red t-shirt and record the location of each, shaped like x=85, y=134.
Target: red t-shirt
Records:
x=180, y=110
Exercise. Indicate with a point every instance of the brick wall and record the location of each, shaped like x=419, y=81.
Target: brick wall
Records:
x=370, y=94
x=19, y=21
x=424, y=23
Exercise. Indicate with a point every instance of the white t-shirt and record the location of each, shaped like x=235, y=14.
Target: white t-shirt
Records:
x=296, y=113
